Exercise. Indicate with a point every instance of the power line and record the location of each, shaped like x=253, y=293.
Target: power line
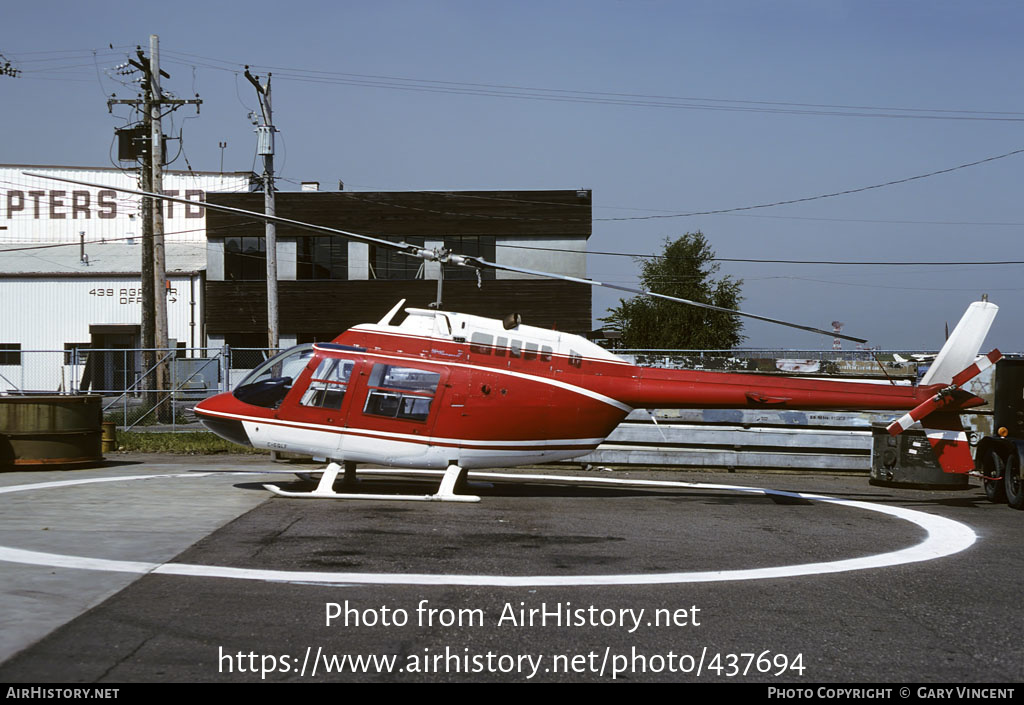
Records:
x=6, y=69
x=778, y=261
x=632, y=255
x=881, y=221
x=602, y=97
x=719, y=211
x=983, y=287
x=852, y=263
x=824, y=195
x=109, y=240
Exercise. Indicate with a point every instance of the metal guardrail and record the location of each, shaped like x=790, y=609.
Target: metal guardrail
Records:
x=838, y=442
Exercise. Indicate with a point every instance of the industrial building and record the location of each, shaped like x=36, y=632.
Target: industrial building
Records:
x=328, y=284
x=70, y=261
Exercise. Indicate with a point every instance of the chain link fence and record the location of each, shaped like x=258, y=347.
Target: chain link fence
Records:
x=140, y=387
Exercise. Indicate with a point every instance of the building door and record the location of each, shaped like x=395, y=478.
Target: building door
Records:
x=113, y=364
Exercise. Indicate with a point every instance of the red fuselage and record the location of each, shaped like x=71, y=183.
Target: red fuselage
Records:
x=406, y=399
x=657, y=388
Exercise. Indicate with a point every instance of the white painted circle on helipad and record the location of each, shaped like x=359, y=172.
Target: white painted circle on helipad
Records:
x=945, y=537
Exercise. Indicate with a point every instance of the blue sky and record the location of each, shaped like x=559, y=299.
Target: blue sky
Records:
x=768, y=63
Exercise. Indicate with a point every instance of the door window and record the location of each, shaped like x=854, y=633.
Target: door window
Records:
x=401, y=392
x=328, y=384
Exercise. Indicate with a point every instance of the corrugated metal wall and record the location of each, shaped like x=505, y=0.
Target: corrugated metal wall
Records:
x=51, y=311
x=42, y=210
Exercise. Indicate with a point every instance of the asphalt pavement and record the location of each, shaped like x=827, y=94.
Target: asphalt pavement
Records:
x=166, y=568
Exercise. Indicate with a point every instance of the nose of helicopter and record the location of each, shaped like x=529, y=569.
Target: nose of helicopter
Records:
x=215, y=414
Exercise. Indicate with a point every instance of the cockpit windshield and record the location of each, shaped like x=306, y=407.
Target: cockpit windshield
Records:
x=268, y=384
x=287, y=363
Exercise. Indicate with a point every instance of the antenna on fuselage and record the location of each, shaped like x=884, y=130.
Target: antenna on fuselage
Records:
x=386, y=321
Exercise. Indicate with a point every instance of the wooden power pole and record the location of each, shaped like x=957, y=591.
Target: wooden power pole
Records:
x=156, y=139
x=154, y=270
x=265, y=147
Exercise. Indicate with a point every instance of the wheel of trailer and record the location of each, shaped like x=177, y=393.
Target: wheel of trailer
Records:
x=1012, y=481
x=992, y=466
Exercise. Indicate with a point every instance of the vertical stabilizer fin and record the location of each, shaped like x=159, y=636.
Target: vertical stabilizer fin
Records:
x=963, y=344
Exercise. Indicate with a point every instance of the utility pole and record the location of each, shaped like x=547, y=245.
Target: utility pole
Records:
x=265, y=147
x=154, y=273
x=146, y=184
x=156, y=140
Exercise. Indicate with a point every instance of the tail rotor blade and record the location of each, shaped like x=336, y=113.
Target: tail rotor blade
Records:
x=945, y=397
x=977, y=368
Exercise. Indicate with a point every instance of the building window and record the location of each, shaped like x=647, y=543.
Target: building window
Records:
x=10, y=353
x=245, y=258
x=321, y=258
x=386, y=263
x=473, y=246
x=69, y=352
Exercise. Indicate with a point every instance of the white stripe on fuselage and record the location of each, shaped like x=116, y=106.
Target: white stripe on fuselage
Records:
x=422, y=440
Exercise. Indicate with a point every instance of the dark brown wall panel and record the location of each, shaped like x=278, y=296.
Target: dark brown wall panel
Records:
x=320, y=310
x=503, y=213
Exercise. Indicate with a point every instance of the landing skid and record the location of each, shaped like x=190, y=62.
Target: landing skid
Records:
x=454, y=477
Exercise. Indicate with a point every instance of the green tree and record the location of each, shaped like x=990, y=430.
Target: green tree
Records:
x=686, y=270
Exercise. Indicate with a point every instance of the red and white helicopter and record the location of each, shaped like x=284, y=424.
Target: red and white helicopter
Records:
x=451, y=392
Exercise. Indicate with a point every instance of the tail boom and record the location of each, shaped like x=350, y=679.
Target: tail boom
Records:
x=688, y=389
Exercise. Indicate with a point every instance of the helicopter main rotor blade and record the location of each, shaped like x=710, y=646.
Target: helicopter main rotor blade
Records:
x=404, y=247
x=477, y=261
x=462, y=260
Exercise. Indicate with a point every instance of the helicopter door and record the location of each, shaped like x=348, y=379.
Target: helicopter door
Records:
x=318, y=405
x=400, y=403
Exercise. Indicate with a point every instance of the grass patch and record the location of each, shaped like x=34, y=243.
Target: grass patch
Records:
x=138, y=416
x=189, y=442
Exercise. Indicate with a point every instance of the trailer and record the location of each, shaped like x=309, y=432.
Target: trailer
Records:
x=999, y=458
